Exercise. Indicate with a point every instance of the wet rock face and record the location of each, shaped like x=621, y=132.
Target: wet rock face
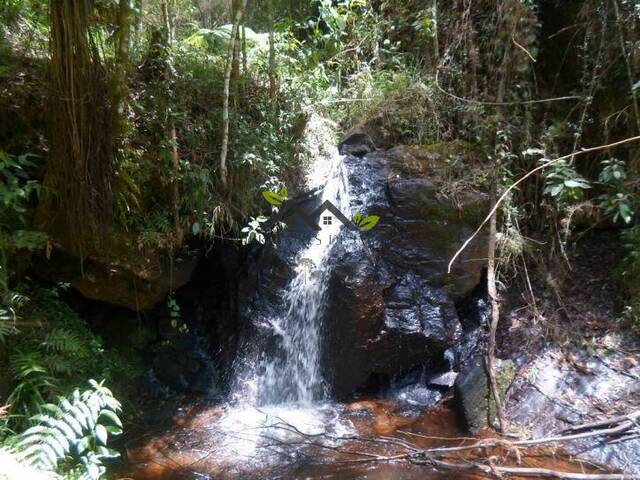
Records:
x=558, y=390
x=391, y=305
x=473, y=393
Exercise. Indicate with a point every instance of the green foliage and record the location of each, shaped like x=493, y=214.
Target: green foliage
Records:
x=630, y=276
x=53, y=353
x=617, y=203
x=75, y=430
x=397, y=101
x=253, y=231
x=17, y=191
x=563, y=184
x=11, y=303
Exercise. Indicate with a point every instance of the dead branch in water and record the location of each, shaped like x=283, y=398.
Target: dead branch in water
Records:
x=469, y=457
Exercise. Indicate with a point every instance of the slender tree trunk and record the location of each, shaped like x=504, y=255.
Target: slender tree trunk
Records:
x=272, y=51
x=495, y=306
x=167, y=13
x=245, y=73
x=122, y=67
x=225, y=91
x=166, y=20
x=493, y=233
x=139, y=22
x=436, y=46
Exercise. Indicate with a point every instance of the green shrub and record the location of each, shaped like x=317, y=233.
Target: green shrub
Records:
x=631, y=278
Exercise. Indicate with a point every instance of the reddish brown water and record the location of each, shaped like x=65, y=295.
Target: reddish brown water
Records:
x=188, y=449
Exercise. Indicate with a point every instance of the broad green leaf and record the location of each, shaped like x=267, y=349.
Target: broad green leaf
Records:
x=101, y=434
x=369, y=222
x=112, y=417
x=273, y=198
x=555, y=190
x=576, y=183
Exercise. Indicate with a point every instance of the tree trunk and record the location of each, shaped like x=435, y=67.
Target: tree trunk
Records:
x=80, y=167
x=225, y=91
x=493, y=232
x=139, y=22
x=245, y=73
x=167, y=14
x=436, y=46
x=272, y=51
x=495, y=306
x=122, y=67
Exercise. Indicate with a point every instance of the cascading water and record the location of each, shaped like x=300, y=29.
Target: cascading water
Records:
x=286, y=384
x=292, y=374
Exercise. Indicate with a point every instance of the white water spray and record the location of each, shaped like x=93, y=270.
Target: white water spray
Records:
x=286, y=385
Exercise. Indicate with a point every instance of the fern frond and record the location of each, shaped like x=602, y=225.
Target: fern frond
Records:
x=78, y=426
x=27, y=363
x=65, y=341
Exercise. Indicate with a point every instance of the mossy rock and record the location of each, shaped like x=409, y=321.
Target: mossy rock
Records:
x=451, y=161
x=473, y=394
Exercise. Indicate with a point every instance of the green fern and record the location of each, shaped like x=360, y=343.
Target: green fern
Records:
x=7, y=324
x=33, y=381
x=62, y=340
x=76, y=428
x=11, y=302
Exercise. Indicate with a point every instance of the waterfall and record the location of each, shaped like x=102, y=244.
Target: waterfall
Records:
x=292, y=373
x=285, y=383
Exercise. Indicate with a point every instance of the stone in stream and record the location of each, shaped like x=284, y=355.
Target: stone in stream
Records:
x=356, y=143
x=473, y=395
x=443, y=380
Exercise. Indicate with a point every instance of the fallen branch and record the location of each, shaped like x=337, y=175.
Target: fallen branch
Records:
x=527, y=175
x=474, y=456
x=498, y=471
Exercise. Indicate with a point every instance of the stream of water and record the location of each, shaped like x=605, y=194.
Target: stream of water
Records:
x=292, y=375
x=275, y=389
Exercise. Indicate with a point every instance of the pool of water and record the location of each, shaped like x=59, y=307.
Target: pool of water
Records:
x=313, y=442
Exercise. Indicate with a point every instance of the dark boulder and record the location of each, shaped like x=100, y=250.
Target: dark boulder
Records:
x=391, y=304
x=356, y=143
x=123, y=273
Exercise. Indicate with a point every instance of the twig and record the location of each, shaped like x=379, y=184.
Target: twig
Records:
x=497, y=471
x=523, y=49
x=504, y=104
x=527, y=175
